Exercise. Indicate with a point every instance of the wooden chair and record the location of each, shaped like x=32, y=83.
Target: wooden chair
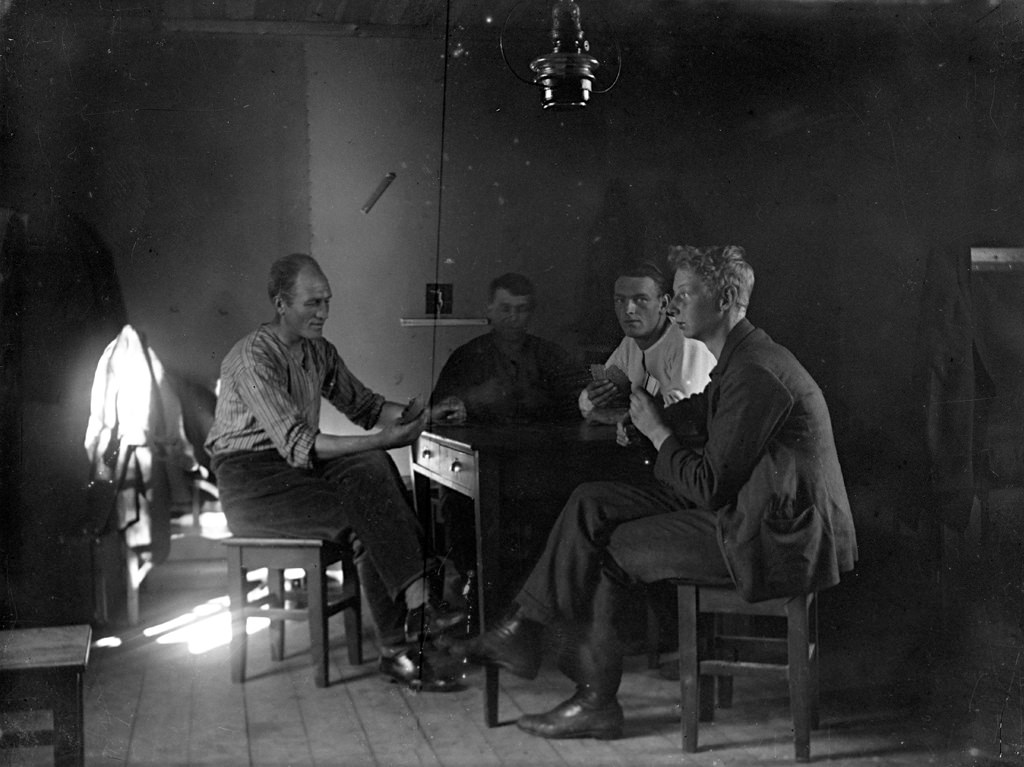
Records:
x=709, y=658
x=277, y=555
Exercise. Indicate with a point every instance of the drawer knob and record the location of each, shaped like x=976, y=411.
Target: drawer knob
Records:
x=456, y=467
x=425, y=455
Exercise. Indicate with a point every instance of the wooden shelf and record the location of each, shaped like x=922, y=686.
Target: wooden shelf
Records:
x=997, y=259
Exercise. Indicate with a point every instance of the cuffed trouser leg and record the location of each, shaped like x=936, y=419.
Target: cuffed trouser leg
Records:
x=370, y=495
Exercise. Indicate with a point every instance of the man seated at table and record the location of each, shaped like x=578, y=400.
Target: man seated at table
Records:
x=760, y=505
x=654, y=353
x=280, y=476
x=508, y=374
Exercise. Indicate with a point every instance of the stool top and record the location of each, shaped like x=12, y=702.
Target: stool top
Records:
x=49, y=647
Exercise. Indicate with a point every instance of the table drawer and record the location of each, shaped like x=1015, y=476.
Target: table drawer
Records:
x=425, y=453
x=457, y=466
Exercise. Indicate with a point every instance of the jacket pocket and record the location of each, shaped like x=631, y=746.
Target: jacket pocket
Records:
x=790, y=548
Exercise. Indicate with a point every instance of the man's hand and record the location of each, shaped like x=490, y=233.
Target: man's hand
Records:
x=626, y=433
x=602, y=393
x=449, y=410
x=645, y=412
x=399, y=434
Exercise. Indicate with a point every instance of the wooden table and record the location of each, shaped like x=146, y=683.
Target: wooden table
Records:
x=516, y=476
x=43, y=668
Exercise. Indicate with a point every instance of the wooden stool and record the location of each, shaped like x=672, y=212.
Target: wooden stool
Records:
x=42, y=668
x=708, y=656
x=277, y=555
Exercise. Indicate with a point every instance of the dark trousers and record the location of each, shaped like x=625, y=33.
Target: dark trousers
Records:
x=357, y=499
x=609, y=537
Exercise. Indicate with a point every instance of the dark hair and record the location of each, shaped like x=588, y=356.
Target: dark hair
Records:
x=718, y=266
x=515, y=284
x=285, y=271
x=652, y=271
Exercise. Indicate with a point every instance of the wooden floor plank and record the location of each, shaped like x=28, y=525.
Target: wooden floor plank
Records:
x=274, y=721
x=510, y=745
x=331, y=715
x=452, y=724
x=113, y=689
x=218, y=728
x=162, y=721
x=333, y=726
x=392, y=728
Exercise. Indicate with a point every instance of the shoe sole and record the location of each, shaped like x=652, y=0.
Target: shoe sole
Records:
x=595, y=734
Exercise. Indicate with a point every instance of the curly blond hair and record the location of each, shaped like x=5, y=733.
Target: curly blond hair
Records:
x=718, y=266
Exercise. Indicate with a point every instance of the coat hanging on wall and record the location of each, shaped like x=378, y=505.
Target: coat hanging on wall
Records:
x=136, y=443
x=972, y=339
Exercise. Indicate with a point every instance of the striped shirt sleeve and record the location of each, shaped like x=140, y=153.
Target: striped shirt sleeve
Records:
x=347, y=393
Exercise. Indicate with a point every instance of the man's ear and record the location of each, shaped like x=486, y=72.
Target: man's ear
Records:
x=664, y=302
x=727, y=298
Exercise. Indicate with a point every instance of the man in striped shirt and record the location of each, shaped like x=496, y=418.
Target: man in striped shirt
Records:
x=280, y=476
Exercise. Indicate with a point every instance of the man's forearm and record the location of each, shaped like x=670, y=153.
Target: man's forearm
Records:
x=329, y=446
x=658, y=435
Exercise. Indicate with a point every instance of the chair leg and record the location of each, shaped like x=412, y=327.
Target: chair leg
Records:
x=491, y=696
x=689, y=680
x=238, y=594
x=737, y=625
x=354, y=612
x=275, y=585
x=132, y=580
x=707, y=684
x=653, y=636
x=316, y=579
x=815, y=694
x=798, y=642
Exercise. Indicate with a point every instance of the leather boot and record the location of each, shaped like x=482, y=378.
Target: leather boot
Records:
x=514, y=645
x=596, y=667
x=587, y=714
x=419, y=670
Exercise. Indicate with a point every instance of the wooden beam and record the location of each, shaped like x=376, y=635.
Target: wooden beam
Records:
x=297, y=28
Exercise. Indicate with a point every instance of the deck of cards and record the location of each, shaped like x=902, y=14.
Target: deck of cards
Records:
x=411, y=411
x=611, y=373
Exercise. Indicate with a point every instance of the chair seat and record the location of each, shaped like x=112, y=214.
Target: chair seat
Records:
x=315, y=605
x=709, y=656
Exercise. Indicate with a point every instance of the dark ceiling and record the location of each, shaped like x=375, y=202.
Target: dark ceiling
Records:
x=430, y=16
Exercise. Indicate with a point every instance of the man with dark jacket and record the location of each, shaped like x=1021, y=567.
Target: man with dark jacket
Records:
x=509, y=375
x=758, y=502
